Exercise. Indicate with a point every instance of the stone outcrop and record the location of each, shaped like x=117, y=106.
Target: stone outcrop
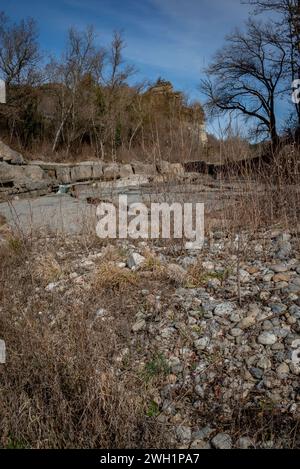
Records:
x=144, y=168
x=68, y=173
x=22, y=178
x=170, y=169
x=10, y=156
x=111, y=171
x=39, y=177
x=126, y=171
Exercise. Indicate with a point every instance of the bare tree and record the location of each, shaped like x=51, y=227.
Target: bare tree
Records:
x=246, y=76
x=19, y=51
x=115, y=93
x=81, y=60
x=288, y=27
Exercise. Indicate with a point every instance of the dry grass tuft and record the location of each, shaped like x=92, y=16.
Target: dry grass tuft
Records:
x=109, y=276
x=47, y=269
x=152, y=263
x=198, y=277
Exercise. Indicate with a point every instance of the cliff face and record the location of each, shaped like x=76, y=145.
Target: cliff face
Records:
x=166, y=100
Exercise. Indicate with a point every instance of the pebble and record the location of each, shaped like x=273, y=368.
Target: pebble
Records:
x=279, y=268
x=264, y=363
x=267, y=338
x=184, y=434
x=201, y=344
x=135, y=260
x=236, y=332
x=244, y=276
x=224, y=309
x=281, y=278
x=244, y=443
x=247, y=322
x=282, y=371
x=222, y=441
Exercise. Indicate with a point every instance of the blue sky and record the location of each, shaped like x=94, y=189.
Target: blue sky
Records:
x=174, y=39
x=170, y=38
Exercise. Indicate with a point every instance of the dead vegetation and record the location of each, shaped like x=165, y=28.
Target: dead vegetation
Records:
x=111, y=277
x=59, y=387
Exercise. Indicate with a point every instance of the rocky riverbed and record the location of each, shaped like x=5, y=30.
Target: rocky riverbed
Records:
x=214, y=336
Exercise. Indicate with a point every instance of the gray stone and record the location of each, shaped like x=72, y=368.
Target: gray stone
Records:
x=282, y=371
x=187, y=262
x=81, y=172
x=264, y=363
x=175, y=364
x=201, y=344
x=203, y=433
x=244, y=276
x=222, y=441
x=267, y=338
x=52, y=214
x=144, y=169
x=63, y=174
x=277, y=308
x=284, y=250
x=279, y=268
x=224, y=309
x=9, y=173
x=34, y=173
x=10, y=156
x=126, y=171
x=207, y=265
x=236, y=332
x=199, y=391
x=23, y=178
x=296, y=281
x=135, y=260
x=184, y=434
x=247, y=322
x=111, y=172
x=257, y=373
x=244, y=443
x=97, y=170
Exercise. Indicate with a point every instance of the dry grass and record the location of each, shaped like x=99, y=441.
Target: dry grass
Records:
x=110, y=276
x=61, y=387
x=198, y=277
x=47, y=268
x=266, y=195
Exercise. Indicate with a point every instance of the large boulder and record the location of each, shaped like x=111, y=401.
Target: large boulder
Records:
x=126, y=171
x=35, y=173
x=63, y=174
x=9, y=173
x=97, y=170
x=10, y=156
x=144, y=169
x=81, y=171
x=23, y=178
x=171, y=169
x=111, y=171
